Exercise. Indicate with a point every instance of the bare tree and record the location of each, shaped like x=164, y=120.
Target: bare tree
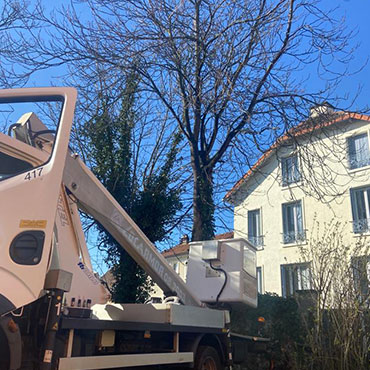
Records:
x=12, y=14
x=141, y=170
x=228, y=72
x=337, y=322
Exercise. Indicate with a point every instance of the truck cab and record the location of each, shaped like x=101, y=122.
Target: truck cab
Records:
x=55, y=313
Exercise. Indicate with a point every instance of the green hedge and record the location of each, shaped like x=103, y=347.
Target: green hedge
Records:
x=282, y=325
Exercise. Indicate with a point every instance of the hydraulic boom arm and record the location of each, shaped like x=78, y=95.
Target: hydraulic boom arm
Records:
x=95, y=200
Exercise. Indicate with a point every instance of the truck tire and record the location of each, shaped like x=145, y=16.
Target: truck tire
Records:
x=4, y=351
x=207, y=358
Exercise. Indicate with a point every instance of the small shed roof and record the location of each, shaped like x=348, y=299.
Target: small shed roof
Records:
x=183, y=248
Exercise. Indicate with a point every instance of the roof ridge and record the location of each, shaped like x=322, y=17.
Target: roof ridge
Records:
x=296, y=132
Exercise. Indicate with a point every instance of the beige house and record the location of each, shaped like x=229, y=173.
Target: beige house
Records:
x=317, y=172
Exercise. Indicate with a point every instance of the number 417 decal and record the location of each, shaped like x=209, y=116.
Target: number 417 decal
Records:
x=33, y=174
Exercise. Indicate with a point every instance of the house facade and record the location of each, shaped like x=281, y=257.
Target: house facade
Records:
x=317, y=173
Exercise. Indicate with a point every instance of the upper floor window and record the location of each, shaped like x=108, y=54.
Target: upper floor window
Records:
x=360, y=201
x=358, y=151
x=255, y=228
x=290, y=170
x=176, y=267
x=293, y=231
x=295, y=277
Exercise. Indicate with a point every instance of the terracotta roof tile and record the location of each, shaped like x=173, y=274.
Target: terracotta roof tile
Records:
x=227, y=235
x=184, y=247
x=176, y=250
x=303, y=128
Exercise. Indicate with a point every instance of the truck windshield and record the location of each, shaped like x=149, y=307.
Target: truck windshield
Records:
x=34, y=123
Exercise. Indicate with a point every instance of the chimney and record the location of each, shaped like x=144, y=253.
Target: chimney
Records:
x=184, y=239
x=321, y=109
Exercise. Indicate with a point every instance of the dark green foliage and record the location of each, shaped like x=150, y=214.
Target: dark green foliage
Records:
x=283, y=325
x=157, y=203
x=282, y=317
x=291, y=325
x=152, y=205
x=204, y=226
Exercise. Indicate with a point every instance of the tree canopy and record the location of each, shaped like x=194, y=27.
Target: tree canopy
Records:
x=229, y=74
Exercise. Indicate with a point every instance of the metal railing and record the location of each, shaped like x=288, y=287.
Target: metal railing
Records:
x=358, y=162
x=294, y=237
x=361, y=226
x=257, y=241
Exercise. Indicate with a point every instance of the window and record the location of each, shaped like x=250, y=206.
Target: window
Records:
x=295, y=277
x=259, y=280
x=358, y=151
x=176, y=267
x=360, y=201
x=185, y=270
x=254, y=228
x=12, y=166
x=290, y=170
x=361, y=275
x=293, y=223
x=27, y=120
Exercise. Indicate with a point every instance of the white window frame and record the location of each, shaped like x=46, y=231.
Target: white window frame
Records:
x=176, y=267
x=296, y=283
x=256, y=240
x=360, y=225
x=297, y=234
x=352, y=137
x=293, y=178
x=259, y=275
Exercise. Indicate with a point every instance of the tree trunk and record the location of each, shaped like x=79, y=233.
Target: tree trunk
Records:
x=203, y=204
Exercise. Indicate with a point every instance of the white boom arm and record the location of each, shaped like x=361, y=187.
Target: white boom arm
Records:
x=95, y=200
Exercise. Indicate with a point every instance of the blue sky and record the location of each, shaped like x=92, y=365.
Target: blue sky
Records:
x=357, y=17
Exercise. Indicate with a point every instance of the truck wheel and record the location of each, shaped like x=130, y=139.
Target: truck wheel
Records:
x=207, y=358
x=4, y=351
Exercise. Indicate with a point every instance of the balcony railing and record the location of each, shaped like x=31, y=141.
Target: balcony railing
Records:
x=294, y=237
x=359, y=162
x=361, y=226
x=257, y=241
